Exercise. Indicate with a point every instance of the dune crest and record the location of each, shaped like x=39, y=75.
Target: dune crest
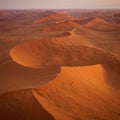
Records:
x=97, y=20
x=100, y=24
x=58, y=52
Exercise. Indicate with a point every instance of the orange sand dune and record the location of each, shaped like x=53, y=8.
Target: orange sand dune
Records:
x=77, y=93
x=97, y=21
x=80, y=93
x=58, y=52
x=100, y=24
x=21, y=105
x=106, y=40
x=66, y=50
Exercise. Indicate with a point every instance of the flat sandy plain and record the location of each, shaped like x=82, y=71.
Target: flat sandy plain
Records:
x=60, y=65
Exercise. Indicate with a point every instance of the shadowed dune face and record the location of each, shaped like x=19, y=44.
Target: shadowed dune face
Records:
x=14, y=76
x=112, y=75
x=21, y=105
x=58, y=52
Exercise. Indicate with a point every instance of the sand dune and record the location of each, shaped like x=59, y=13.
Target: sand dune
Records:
x=64, y=26
x=58, y=52
x=96, y=33
x=96, y=21
x=88, y=92
x=100, y=24
x=84, y=94
x=60, y=16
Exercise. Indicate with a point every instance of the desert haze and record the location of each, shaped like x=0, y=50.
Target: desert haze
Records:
x=60, y=64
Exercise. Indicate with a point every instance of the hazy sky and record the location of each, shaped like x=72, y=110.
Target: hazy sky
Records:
x=39, y=4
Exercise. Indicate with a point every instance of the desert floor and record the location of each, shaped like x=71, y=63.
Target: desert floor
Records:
x=60, y=64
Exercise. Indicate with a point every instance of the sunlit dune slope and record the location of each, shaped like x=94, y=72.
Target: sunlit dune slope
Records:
x=81, y=93
x=58, y=51
x=100, y=24
x=21, y=105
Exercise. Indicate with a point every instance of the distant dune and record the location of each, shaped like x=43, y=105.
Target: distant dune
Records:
x=60, y=26
x=100, y=24
x=60, y=16
x=96, y=21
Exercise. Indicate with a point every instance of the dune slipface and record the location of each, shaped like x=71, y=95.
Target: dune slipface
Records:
x=21, y=105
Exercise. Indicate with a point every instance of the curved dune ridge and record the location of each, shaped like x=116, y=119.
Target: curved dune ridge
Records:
x=58, y=52
x=61, y=26
x=64, y=26
x=81, y=93
x=88, y=92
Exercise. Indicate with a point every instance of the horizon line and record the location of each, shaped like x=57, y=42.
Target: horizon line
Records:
x=59, y=8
